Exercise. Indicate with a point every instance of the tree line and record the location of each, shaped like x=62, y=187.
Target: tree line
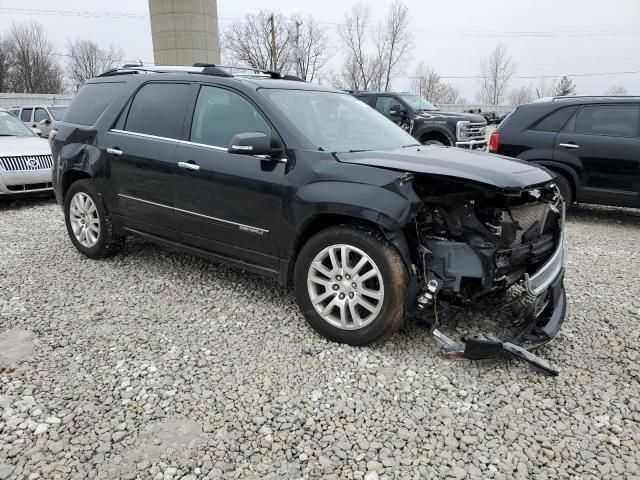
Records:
x=29, y=62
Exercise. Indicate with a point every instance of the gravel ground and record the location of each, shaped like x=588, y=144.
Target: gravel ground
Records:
x=160, y=365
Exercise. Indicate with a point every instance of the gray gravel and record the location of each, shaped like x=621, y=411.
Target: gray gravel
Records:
x=160, y=365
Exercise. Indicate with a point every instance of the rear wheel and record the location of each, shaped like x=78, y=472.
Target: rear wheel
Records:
x=350, y=285
x=88, y=222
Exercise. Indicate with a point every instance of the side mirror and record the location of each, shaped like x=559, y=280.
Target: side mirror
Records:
x=37, y=131
x=46, y=121
x=397, y=111
x=253, y=143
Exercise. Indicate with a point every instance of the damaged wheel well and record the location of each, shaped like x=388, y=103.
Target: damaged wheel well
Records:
x=322, y=221
x=70, y=177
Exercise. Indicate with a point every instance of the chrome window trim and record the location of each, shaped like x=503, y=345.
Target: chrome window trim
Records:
x=241, y=226
x=145, y=135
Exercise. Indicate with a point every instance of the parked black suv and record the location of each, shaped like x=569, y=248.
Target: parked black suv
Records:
x=591, y=143
x=426, y=122
x=309, y=186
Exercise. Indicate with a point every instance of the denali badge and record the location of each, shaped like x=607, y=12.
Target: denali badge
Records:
x=33, y=163
x=257, y=231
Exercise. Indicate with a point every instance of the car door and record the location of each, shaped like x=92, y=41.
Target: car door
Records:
x=604, y=140
x=384, y=104
x=140, y=163
x=41, y=121
x=229, y=204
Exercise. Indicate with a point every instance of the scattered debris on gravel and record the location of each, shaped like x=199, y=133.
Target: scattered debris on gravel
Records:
x=160, y=365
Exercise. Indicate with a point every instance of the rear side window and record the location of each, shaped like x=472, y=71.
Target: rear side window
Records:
x=91, y=102
x=555, y=120
x=25, y=116
x=613, y=120
x=158, y=109
x=220, y=114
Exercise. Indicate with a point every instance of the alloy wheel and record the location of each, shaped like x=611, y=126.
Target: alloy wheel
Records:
x=84, y=219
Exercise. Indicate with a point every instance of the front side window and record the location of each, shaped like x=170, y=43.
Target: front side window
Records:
x=10, y=126
x=416, y=102
x=25, y=116
x=40, y=115
x=612, y=120
x=338, y=122
x=220, y=114
x=158, y=109
x=384, y=104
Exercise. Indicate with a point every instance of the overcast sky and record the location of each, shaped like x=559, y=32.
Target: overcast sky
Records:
x=544, y=37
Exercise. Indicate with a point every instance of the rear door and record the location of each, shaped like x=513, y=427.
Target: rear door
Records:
x=605, y=141
x=229, y=204
x=141, y=157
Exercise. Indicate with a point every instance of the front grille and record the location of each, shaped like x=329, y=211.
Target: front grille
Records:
x=471, y=131
x=26, y=163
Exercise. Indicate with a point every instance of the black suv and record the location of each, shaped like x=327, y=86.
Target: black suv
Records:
x=426, y=122
x=591, y=143
x=309, y=186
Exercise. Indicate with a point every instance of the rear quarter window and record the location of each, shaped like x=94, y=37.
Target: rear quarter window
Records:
x=554, y=121
x=91, y=102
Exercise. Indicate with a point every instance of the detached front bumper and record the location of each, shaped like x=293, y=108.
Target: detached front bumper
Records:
x=540, y=323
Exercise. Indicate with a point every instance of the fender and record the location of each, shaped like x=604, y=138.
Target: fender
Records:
x=433, y=128
x=570, y=172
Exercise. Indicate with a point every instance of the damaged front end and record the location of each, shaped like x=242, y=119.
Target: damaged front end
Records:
x=468, y=241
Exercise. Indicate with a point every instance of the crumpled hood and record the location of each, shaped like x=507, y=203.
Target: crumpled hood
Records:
x=495, y=170
x=19, y=146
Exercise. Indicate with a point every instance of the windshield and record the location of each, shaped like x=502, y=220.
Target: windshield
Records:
x=337, y=122
x=57, y=112
x=416, y=102
x=10, y=126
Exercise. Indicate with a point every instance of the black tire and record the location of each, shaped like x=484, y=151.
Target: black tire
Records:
x=108, y=241
x=565, y=189
x=434, y=142
x=390, y=267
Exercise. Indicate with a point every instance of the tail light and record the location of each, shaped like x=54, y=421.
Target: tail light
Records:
x=52, y=136
x=494, y=142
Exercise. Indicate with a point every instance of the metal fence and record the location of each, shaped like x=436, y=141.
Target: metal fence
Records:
x=9, y=100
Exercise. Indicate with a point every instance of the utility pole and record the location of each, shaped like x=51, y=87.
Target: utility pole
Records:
x=298, y=55
x=273, y=42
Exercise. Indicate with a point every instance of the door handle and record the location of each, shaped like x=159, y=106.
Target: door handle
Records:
x=189, y=165
x=114, y=151
x=569, y=145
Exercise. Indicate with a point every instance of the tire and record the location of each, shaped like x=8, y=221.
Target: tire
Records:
x=565, y=189
x=434, y=142
x=84, y=210
x=348, y=321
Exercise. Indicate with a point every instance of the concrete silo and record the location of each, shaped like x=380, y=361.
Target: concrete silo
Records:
x=184, y=31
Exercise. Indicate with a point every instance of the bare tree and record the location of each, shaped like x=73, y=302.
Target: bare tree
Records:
x=353, y=33
x=616, y=90
x=565, y=87
x=428, y=84
x=522, y=95
x=311, y=48
x=546, y=87
x=87, y=60
x=248, y=42
x=495, y=72
x=348, y=77
x=397, y=41
x=5, y=64
x=377, y=57
x=35, y=68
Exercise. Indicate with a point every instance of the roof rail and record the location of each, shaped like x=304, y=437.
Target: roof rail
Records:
x=199, y=68
x=571, y=97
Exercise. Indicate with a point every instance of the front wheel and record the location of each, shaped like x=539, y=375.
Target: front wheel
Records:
x=350, y=285
x=88, y=222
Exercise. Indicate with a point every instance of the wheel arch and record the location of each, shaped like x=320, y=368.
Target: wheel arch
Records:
x=567, y=172
x=71, y=176
x=434, y=133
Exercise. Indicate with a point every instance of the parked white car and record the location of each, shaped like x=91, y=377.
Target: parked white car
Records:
x=25, y=159
x=42, y=117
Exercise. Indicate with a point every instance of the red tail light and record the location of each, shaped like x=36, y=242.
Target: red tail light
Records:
x=494, y=142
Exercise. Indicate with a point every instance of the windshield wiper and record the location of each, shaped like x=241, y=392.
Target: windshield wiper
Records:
x=7, y=135
x=410, y=145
